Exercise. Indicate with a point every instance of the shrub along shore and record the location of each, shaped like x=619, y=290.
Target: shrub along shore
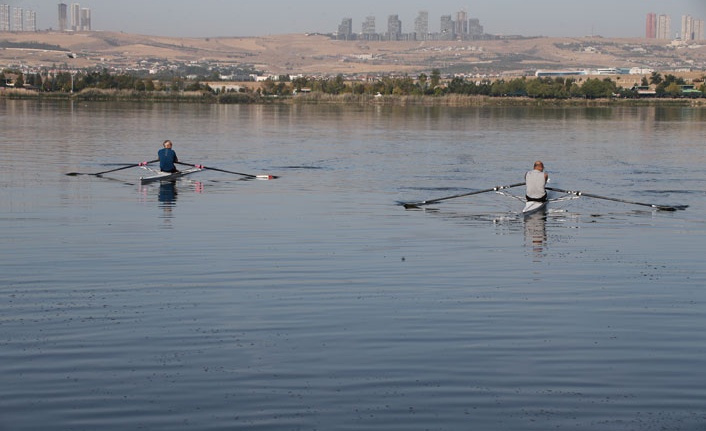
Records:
x=457, y=100
x=405, y=90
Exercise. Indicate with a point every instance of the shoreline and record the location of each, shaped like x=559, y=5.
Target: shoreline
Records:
x=453, y=100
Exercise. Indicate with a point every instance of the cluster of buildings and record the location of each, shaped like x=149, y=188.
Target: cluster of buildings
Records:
x=660, y=27
x=17, y=19
x=74, y=17
x=71, y=18
x=460, y=28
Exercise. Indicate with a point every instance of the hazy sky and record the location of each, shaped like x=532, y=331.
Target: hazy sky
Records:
x=201, y=18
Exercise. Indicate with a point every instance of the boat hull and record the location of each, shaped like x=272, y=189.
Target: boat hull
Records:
x=533, y=207
x=167, y=176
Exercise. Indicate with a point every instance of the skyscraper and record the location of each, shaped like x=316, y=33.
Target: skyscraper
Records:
x=664, y=27
x=345, y=29
x=651, y=26
x=75, y=14
x=18, y=19
x=461, y=28
x=4, y=17
x=447, y=27
x=394, y=27
x=30, y=20
x=62, y=16
x=475, y=30
x=85, y=19
x=421, y=25
x=699, y=30
x=368, y=29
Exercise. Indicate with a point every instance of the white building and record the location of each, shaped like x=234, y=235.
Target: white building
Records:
x=75, y=16
x=4, y=17
x=18, y=19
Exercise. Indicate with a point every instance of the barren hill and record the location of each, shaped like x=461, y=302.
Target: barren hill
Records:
x=317, y=54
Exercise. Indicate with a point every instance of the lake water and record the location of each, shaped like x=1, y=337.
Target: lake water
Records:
x=316, y=302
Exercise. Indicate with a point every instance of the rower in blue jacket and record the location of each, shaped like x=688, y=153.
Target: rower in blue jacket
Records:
x=167, y=157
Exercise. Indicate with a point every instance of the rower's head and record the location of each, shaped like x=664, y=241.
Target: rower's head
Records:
x=539, y=166
x=167, y=144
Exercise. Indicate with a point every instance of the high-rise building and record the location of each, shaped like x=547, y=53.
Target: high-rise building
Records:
x=691, y=28
x=421, y=25
x=85, y=19
x=394, y=27
x=687, y=31
x=699, y=30
x=446, y=28
x=30, y=20
x=75, y=15
x=63, y=14
x=345, y=29
x=18, y=19
x=461, y=25
x=664, y=27
x=368, y=28
x=475, y=30
x=4, y=17
x=651, y=26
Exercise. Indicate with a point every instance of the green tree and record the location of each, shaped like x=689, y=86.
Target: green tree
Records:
x=423, y=83
x=655, y=78
x=673, y=90
x=435, y=78
x=596, y=88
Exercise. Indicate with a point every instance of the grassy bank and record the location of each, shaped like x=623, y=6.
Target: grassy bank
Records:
x=455, y=100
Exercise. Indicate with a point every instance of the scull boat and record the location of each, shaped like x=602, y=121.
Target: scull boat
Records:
x=165, y=176
x=533, y=207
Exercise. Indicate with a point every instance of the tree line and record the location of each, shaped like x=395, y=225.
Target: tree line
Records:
x=423, y=85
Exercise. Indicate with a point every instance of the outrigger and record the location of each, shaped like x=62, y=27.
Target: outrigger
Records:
x=533, y=207
x=166, y=176
x=157, y=175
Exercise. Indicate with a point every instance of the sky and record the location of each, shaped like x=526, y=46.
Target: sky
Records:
x=212, y=18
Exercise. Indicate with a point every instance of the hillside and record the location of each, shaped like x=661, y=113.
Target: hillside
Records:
x=316, y=54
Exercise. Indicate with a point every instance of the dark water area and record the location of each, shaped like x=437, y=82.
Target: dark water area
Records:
x=315, y=301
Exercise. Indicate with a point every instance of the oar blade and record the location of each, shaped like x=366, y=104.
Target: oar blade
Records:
x=671, y=207
x=412, y=205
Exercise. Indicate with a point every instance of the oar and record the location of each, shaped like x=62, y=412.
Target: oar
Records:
x=259, y=177
x=659, y=207
x=73, y=174
x=431, y=201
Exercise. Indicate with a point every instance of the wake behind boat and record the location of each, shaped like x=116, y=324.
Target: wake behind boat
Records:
x=156, y=175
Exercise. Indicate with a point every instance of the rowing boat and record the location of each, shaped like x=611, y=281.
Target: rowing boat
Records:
x=156, y=175
x=533, y=207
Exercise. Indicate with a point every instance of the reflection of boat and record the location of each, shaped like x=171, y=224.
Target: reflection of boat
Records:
x=536, y=230
x=533, y=207
x=165, y=176
x=167, y=192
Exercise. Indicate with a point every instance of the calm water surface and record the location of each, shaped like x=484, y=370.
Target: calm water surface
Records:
x=316, y=302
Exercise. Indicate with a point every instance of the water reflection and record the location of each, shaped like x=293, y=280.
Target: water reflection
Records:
x=536, y=233
x=167, y=195
x=167, y=200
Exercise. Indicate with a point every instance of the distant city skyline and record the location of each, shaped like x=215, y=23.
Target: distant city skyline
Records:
x=213, y=18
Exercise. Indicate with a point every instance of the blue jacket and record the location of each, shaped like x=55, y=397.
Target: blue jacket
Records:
x=167, y=157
